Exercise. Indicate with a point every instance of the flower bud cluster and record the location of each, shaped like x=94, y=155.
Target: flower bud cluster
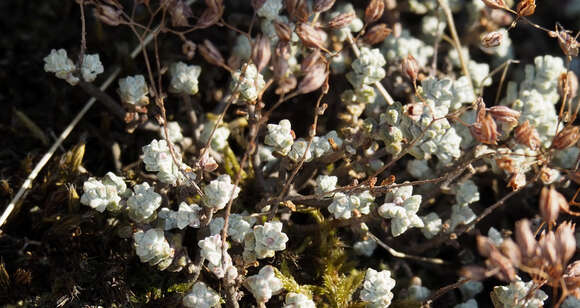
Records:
x=297, y=300
x=152, y=247
x=365, y=248
x=377, y=288
x=219, y=264
x=133, y=90
x=157, y=158
x=143, y=203
x=219, y=140
x=264, y=241
x=280, y=136
x=63, y=67
x=412, y=121
x=174, y=132
x=325, y=183
x=345, y=206
x=238, y=226
x=186, y=215
x=184, y=78
x=218, y=192
x=516, y=294
x=355, y=24
x=321, y=146
x=398, y=47
x=537, y=95
x=466, y=194
x=401, y=207
x=200, y=296
x=264, y=284
x=248, y=85
x=105, y=194
x=367, y=68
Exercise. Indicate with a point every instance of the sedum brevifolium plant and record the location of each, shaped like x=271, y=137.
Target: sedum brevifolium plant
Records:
x=310, y=151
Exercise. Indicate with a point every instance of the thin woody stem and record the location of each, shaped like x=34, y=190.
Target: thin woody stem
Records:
x=457, y=44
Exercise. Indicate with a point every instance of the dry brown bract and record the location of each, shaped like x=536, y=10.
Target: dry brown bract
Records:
x=526, y=7
x=567, y=42
x=310, y=36
x=566, y=138
x=526, y=134
x=491, y=39
x=410, y=66
x=261, y=52
x=341, y=20
x=377, y=34
x=109, y=15
x=211, y=15
x=374, y=11
x=484, y=129
x=551, y=202
x=494, y=4
x=545, y=260
x=211, y=54
x=504, y=114
x=322, y=5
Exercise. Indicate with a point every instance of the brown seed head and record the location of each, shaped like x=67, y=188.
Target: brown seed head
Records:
x=283, y=31
x=568, y=85
x=341, y=20
x=494, y=4
x=261, y=52
x=565, y=241
x=504, y=114
x=547, y=244
x=297, y=10
x=210, y=53
x=211, y=15
x=410, y=66
x=280, y=60
x=491, y=39
x=313, y=79
x=310, y=36
x=526, y=134
x=525, y=239
x=180, y=12
x=551, y=201
x=566, y=138
x=109, y=15
x=377, y=34
x=485, y=131
x=511, y=250
x=310, y=61
x=374, y=11
x=526, y=7
x=322, y=5
x=497, y=260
